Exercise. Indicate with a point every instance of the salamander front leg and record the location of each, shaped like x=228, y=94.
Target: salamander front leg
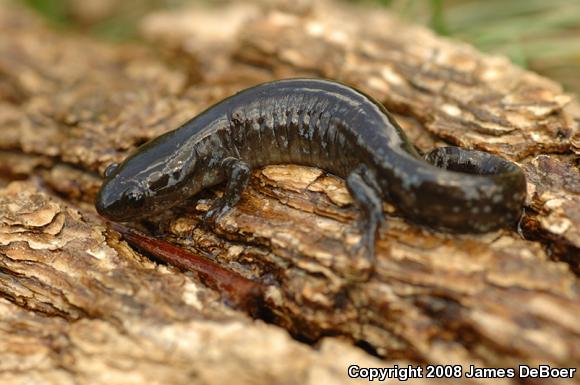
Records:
x=363, y=190
x=238, y=173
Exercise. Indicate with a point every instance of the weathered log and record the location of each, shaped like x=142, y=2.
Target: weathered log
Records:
x=79, y=305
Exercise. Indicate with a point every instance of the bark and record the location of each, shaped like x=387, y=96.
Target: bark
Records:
x=79, y=305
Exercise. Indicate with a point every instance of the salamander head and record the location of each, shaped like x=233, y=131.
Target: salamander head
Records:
x=121, y=197
x=145, y=184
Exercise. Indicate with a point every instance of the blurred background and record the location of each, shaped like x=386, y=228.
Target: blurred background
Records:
x=540, y=35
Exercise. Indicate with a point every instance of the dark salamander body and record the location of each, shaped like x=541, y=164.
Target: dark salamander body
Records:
x=324, y=124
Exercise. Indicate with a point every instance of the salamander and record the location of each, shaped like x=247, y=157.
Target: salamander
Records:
x=328, y=125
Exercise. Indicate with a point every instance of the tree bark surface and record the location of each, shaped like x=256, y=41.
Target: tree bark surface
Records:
x=78, y=305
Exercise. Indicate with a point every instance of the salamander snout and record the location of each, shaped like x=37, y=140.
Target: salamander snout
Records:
x=120, y=202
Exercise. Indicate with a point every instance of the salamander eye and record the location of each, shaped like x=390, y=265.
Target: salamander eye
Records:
x=111, y=169
x=159, y=182
x=134, y=198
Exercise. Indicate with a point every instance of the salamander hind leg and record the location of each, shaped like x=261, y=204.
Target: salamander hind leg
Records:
x=366, y=197
x=238, y=173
